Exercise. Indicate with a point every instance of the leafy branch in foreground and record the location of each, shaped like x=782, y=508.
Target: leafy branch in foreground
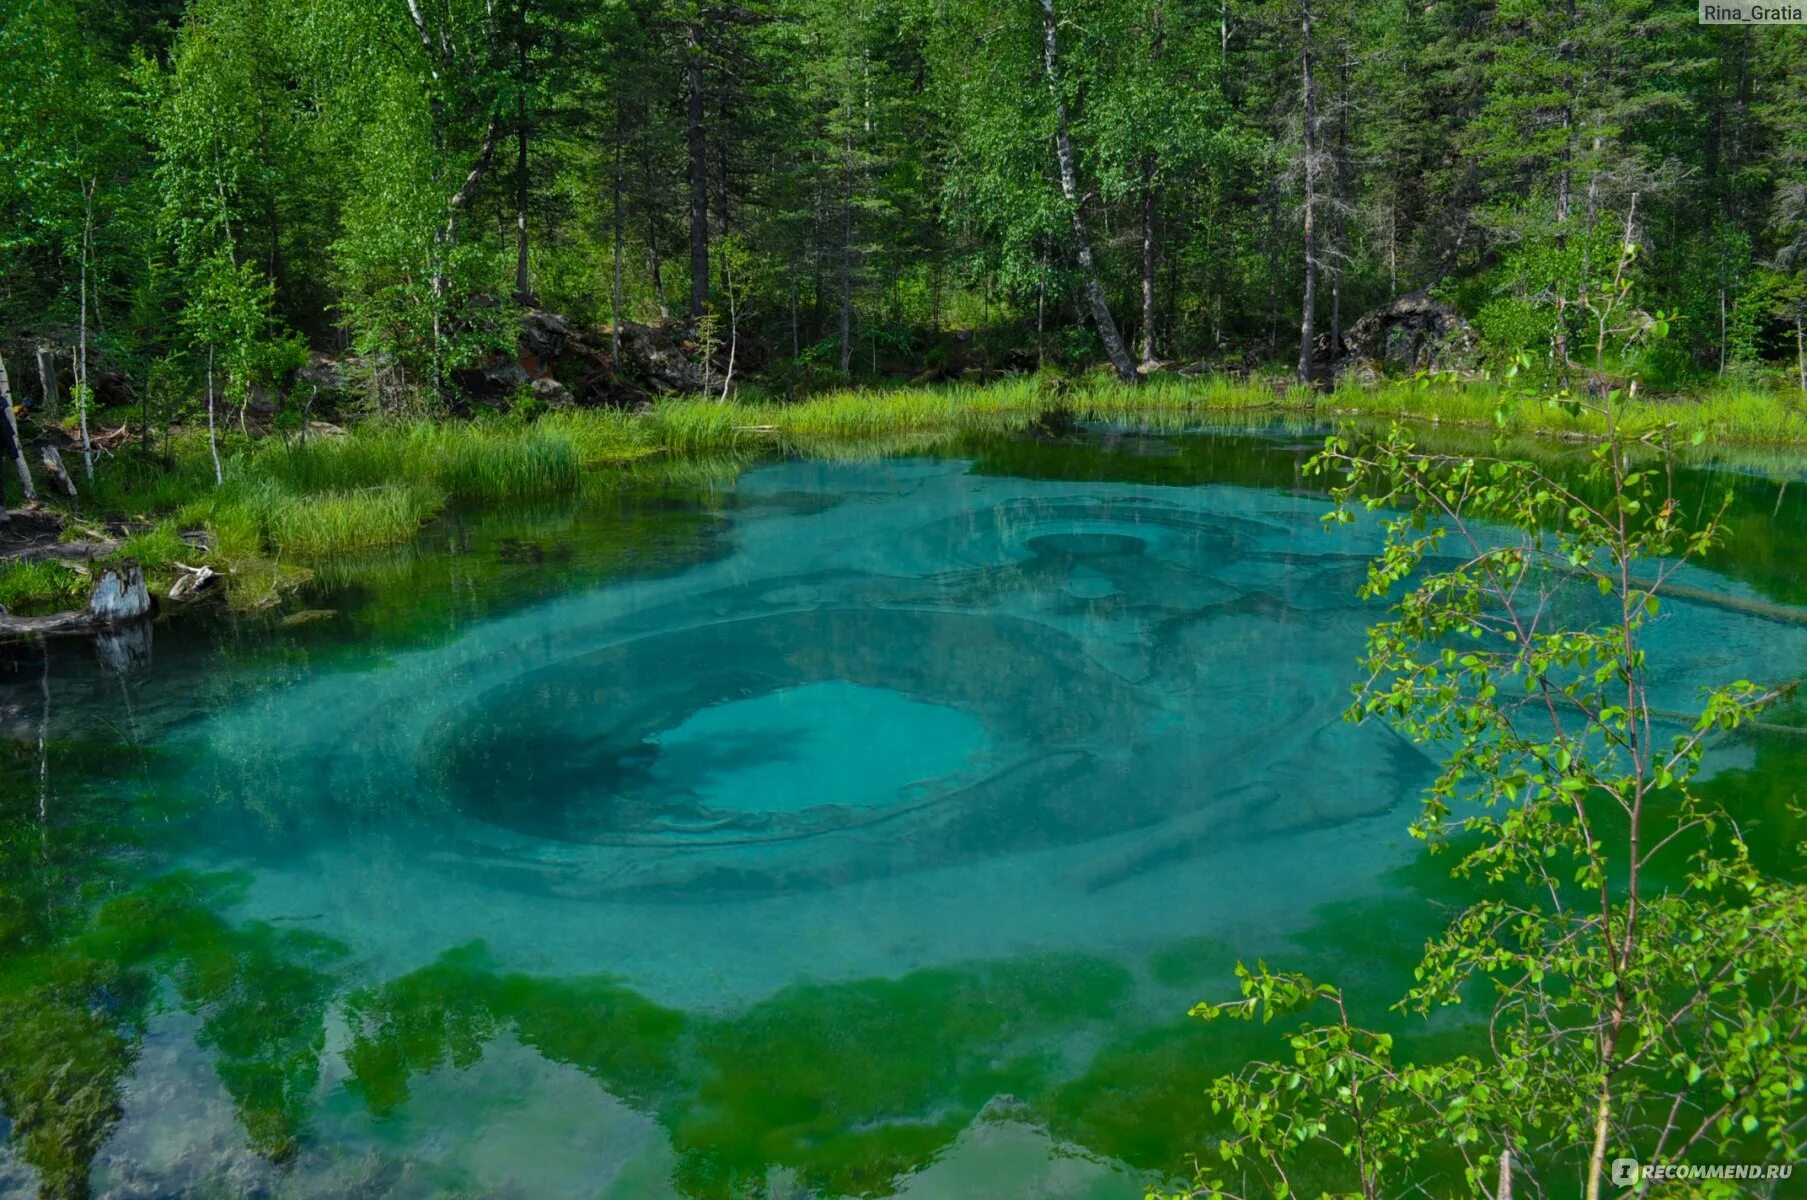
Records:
x=1648, y=979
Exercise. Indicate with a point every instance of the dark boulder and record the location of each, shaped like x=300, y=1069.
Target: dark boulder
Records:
x=324, y=373
x=551, y=393
x=113, y=389
x=542, y=340
x=1413, y=333
x=661, y=359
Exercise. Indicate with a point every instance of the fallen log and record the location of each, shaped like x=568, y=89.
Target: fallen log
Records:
x=1782, y=614
x=192, y=581
x=68, y=552
x=119, y=597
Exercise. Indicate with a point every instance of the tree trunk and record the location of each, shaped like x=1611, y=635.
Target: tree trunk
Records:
x=118, y=596
x=522, y=289
x=697, y=145
x=656, y=269
x=1563, y=201
x=1041, y=290
x=1800, y=351
x=213, y=444
x=47, y=384
x=655, y=266
x=81, y=370
x=1340, y=202
x=847, y=251
x=816, y=241
x=9, y=431
x=1564, y=182
x=1150, y=313
x=1069, y=186
x=1308, y=102
x=724, y=217
x=733, y=322
x=1148, y=260
x=1722, y=311
x=615, y=290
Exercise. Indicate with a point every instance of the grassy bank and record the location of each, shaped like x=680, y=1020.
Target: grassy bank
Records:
x=1725, y=416
x=285, y=501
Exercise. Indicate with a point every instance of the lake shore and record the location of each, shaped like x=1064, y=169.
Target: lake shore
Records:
x=290, y=498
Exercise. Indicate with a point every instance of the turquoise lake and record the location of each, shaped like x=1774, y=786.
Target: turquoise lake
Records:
x=783, y=828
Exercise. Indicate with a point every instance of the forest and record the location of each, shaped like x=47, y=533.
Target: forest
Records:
x=198, y=195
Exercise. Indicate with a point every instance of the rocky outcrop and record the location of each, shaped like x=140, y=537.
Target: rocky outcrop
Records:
x=325, y=374
x=542, y=340
x=559, y=362
x=1413, y=333
x=562, y=363
x=660, y=359
x=551, y=393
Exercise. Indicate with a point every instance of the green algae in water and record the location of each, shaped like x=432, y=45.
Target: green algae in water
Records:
x=843, y=829
x=447, y=1014
x=854, y=1084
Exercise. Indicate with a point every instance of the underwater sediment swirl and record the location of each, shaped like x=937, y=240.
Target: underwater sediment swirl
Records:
x=871, y=681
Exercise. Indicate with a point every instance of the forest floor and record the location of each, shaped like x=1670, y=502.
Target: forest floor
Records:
x=286, y=499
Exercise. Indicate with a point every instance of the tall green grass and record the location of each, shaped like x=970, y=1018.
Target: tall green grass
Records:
x=487, y=460
x=689, y=425
x=249, y=518
x=601, y=436
x=30, y=588
x=335, y=522
x=1723, y=415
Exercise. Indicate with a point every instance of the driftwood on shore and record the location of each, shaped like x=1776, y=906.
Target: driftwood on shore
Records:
x=52, y=459
x=119, y=597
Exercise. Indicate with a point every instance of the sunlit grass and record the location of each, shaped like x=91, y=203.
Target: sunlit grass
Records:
x=336, y=522
x=29, y=588
x=601, y=436
x=156, y=546
x=468, y=462
x=490, y=460
x=1729, y=415
x=250, y=518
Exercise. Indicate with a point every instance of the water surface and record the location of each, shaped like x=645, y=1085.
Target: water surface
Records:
x=818, y=829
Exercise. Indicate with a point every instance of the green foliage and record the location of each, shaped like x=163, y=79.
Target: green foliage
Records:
x=1510, y=326
x=361, y=175
x=232, y=313
x=1646, y=973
